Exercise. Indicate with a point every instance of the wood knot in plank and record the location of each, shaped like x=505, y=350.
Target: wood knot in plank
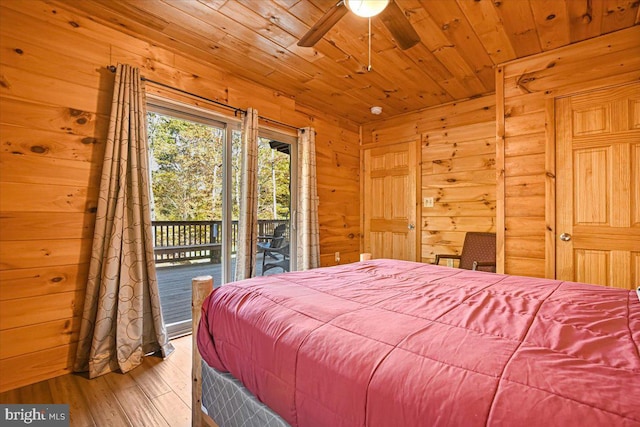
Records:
x=83, y=117
x=39, y=149
x=524, y=80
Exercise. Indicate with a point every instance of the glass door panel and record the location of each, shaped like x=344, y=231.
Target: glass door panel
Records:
x=274, y=205
x=188, y=214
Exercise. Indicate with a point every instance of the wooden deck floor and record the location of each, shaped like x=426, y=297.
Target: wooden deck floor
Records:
x=175, y=286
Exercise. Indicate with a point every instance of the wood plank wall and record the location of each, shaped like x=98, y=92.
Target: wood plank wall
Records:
x=457, y=168
x=55, y=101
x=526, y=90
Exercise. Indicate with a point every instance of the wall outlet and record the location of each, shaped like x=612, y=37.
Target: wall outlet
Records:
x=337, y=257
x=428, y=202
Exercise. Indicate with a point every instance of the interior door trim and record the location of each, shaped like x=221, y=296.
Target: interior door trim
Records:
x=551, y=237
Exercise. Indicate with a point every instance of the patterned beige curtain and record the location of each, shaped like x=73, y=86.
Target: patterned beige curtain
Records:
x=308, y=230
x=248, y=221
x=122, y=319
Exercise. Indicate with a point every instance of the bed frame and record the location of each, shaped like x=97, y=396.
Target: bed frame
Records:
x=201, y=287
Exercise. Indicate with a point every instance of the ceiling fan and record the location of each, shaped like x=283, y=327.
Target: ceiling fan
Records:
x=390, y=14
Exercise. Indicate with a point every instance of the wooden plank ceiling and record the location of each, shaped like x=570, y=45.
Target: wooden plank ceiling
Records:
x=461, y=42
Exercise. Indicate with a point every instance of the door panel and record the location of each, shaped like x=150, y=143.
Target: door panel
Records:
x=592, y=266
x=587, y=164
x=390, y=229
x=598, y=187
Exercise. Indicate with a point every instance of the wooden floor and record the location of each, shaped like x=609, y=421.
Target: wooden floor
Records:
x=175, y=286
x=157, y=393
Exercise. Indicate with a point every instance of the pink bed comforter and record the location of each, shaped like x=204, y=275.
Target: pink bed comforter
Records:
x=393, y=343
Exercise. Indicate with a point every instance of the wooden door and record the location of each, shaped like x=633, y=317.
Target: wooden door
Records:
x=390, y=229
x=598, y=187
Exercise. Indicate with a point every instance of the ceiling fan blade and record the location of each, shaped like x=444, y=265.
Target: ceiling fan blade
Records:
x=325, y=23
x=399, y=26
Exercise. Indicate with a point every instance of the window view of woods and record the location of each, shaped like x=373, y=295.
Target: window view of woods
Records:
x=187, y=173
x=273, y=182
x=186, y=169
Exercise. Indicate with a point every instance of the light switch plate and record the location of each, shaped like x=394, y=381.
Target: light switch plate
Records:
x=428, y=202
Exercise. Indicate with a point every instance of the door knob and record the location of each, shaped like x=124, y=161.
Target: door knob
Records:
x=411, y=227
x=565, y=237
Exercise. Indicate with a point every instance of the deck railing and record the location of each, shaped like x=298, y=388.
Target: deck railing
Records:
x=176, y=241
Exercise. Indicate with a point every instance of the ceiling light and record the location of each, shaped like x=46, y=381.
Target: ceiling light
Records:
x=366, y=8
x=376, y=110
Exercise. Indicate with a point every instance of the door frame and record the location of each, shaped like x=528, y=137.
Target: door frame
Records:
x=551, y=147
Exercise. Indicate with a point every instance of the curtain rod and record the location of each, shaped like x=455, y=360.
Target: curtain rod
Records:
x=113, y=69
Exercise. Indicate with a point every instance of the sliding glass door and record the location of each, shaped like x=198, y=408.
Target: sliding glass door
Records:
x=191, y=213
x=195, y=161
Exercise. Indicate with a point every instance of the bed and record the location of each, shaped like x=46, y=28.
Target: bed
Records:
x=397, y=343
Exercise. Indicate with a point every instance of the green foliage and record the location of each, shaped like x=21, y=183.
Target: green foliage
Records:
x=187, y=172
x=273, y=182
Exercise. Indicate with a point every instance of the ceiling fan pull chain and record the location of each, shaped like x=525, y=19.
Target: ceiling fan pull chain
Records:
x=369, y=67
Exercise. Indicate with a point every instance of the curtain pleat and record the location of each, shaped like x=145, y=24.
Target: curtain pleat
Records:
x=308, y=229
x=248, y=221
x=122, y=319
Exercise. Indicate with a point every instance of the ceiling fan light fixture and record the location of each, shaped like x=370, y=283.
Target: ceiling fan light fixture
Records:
x=366, y=8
